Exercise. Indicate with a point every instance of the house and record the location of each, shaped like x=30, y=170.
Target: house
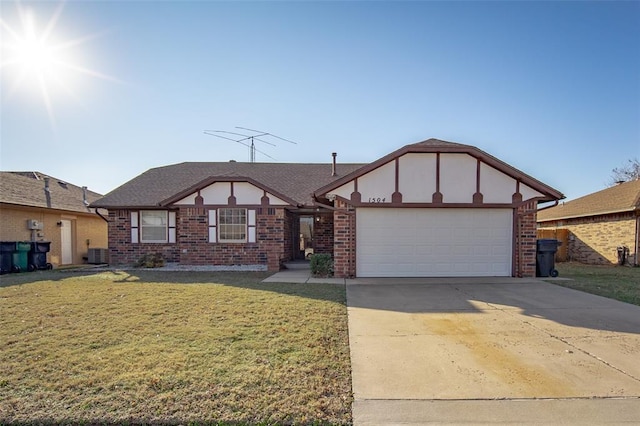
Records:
x=432, y=208
x=597, y=224
x=38, y=207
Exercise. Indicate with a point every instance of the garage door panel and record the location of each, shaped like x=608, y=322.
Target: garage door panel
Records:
x=433, y=242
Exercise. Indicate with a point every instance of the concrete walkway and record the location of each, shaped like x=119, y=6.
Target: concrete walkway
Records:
x=300, y=276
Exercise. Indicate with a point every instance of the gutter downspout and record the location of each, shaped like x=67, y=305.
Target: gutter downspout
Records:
x=103, y=218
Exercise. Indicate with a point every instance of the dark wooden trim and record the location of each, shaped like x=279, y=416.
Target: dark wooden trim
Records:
x=438, y=174
x=223, y=179
x=517, y=196
x=515, y=243
x=435, y=205
x=397, y=174
x=478, y=197
x=478, y=165
x=436, y=198
x=550, y=193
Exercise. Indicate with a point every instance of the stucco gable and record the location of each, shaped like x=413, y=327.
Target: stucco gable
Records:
x=218, y=190
x=446, y=171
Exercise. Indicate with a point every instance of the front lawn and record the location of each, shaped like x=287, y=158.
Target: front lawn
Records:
x=172, y=347
x=615, y=282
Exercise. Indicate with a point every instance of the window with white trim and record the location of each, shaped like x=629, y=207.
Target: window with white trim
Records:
x=232, y=225
x=154, y=226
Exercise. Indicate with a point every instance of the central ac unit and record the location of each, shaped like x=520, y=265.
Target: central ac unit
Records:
x=97, y=256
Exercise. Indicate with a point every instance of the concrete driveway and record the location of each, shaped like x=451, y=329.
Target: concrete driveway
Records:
x=490, y=350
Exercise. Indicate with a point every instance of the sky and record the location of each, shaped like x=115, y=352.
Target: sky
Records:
x=116, y=88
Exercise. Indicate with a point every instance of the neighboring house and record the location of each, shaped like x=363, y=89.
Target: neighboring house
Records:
x=37, y=207
x=597, y=224
x=433, y=208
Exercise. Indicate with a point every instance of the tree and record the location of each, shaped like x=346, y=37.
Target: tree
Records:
x=630, y=171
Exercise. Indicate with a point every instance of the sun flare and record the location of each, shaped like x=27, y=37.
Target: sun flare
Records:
x=35, y=61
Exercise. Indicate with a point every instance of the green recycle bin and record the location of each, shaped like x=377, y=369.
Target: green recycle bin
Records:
x=20, y=256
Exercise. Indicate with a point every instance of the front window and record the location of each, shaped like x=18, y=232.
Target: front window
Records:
x=232, y=225
x=153, y=226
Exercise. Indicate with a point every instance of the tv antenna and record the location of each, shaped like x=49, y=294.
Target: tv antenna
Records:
x=248, y=140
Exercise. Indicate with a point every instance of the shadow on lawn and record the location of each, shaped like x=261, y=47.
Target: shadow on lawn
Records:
x=240, y=279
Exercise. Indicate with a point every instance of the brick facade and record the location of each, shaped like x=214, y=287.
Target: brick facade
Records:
x=594, y=240
x=344, y=244
x=291, y=235
x=525, y=240
x=192, y=246
x=276, y=238
x=122, y=252
x=323, y=234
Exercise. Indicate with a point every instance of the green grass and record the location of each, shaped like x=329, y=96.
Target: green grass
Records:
x=172, y=347
x=615, y=282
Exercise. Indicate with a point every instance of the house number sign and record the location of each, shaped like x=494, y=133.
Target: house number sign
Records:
x=377, y=200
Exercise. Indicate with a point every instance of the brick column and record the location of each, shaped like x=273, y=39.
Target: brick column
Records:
x=344, y=262
x=526, y=240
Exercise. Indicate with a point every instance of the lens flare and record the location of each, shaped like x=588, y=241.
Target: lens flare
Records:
x=33, y=60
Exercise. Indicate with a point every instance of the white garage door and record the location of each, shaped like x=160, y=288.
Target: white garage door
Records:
x=451, y=242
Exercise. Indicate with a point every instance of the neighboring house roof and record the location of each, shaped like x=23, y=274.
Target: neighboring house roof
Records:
x=440, y=146
x=620, y=198
x=155, y=186
x=28, y=189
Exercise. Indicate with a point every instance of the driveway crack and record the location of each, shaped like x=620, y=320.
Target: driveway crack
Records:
x=559, y=338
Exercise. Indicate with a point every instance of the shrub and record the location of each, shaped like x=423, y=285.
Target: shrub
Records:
x=321, y=265
x=151, y=260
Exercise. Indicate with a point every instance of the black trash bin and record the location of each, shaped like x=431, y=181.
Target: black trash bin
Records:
x=623, y=252
x=545, y=257
x=38, y=255
x=6, y=256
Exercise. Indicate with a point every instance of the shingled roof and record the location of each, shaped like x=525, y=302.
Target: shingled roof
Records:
x=621, y=198
x=151, y=188
x=28, y=189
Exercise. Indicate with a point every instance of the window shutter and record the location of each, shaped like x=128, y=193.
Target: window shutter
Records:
x=172, y=227
x=213, y=236
x=134, y=227
x=251, y=226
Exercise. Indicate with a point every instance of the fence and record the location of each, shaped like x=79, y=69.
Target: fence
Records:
x=561, y=235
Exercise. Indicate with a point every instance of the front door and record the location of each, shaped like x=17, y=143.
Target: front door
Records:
x=66, y=243
x=306, y=236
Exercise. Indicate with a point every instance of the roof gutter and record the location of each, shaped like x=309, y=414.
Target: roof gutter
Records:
x=528, y=212
x=103, y=218
x=631, y=209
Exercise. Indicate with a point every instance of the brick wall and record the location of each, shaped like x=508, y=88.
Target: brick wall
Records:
x=192, y=245
x=291, y=235
x=122, y=252
x=525, y=241
x=594, y=240
x=344, y=228
x=323, y=234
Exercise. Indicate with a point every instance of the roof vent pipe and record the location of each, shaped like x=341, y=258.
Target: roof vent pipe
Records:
x=47, y=192
x=84, y=196
x=333, y=165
